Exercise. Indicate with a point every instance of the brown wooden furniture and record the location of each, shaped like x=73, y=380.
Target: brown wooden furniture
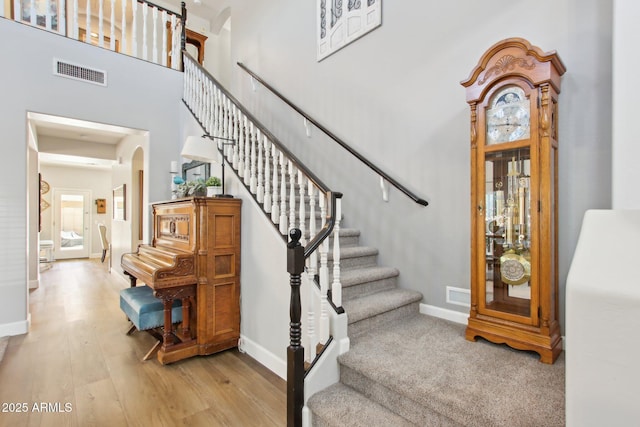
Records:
x=513, y=95
x=195, y=257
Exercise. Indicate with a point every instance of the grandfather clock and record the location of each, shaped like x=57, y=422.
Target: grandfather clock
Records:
x=513, y=95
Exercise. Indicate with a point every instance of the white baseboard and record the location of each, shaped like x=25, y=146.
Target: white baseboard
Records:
x=265, y=357
x=456, y=316
x=15, y=328
x=443, y=313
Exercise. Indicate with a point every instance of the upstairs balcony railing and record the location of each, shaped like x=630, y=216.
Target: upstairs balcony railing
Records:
x=136, y=28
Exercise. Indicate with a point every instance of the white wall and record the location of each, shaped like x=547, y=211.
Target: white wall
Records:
x=626, y=150
x=139, y=95
x=395, y=96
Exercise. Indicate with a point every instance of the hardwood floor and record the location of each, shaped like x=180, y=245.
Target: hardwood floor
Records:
x=78, y=363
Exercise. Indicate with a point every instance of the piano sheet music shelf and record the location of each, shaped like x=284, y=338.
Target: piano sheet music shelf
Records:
x=195, y=257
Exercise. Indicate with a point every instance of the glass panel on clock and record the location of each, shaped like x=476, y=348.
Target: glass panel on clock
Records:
x=508, y=117
x=508, y=231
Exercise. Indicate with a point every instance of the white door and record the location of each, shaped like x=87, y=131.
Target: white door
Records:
x=71, y=234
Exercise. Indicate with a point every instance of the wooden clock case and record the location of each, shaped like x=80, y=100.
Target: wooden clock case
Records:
x=500, y=155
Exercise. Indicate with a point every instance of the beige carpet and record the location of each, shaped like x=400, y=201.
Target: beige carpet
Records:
x=4, y=341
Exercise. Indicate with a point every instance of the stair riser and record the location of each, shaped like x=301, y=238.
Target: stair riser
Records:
x=345, y=241
x=362, y=326
x=348, y=241
x=394, y=401
x=368, y=288
x=356, y=262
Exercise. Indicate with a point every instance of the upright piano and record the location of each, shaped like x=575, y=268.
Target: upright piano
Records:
x=194, y=256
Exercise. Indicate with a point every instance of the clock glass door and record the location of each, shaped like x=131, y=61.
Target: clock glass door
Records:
x=507, y=266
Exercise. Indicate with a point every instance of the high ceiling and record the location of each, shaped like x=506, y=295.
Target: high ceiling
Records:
x=49, y=129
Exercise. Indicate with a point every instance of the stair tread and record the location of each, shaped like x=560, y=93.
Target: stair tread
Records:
x=360, y=412
x=425, y=365
x=380, y=302
x=358, y=276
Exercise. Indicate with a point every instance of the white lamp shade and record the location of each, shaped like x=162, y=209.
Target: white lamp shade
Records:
x=200, y=149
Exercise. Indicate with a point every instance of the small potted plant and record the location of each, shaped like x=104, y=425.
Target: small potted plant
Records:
x=214, y=186
x=190, y=188
x=196, y=188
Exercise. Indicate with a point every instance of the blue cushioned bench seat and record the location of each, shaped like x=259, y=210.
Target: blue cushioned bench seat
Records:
x=146, y=311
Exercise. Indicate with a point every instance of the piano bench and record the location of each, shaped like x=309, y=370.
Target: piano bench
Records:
x=146, y=312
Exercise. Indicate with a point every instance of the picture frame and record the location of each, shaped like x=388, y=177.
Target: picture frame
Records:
x=120, y=203
x=101, y=206
x=341, y=22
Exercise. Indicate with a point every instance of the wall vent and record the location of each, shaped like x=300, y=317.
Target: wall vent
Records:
x=79, y=72
x=458, y=296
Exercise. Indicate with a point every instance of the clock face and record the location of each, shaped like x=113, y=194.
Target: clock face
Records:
x=508, y=117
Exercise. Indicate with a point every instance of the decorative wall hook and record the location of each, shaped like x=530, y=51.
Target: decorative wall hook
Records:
x=307, y=127
x=384, y=186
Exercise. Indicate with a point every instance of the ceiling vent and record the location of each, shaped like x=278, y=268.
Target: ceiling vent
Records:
x=79, y=72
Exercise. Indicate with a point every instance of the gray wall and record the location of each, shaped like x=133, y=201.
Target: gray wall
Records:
x=395, y=96
x=140, y=95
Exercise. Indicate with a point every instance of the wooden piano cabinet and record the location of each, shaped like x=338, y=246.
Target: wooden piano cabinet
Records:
x=194, y=256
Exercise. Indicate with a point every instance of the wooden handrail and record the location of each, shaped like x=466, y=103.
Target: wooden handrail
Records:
x=340, y=142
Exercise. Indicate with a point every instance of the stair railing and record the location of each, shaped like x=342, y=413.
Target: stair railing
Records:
x=115, y=25
x=292, y=198
x=383, y=175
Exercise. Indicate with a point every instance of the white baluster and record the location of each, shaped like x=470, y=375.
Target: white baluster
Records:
x=164, y=38
x=311, y=340
x=224, y=121
x=220, y=113
x=112, y=28
x=201, y=108
x=284, y=229
x=100, y=23
x=302, y=184
x=324, y=276
x=241, y=135
x=260, y=183
x=33, y=12
x=292, y=194
x=267, y=176
x=17, y=5
x=336, y=286
x=236, y=137
x=155, y=35
x=247, y=153
x=145, y=47
x=123, y=29
x=312, y=261
x=252, y=179
x=174, y=48
x=76, y=22
x=232, y=131
x=87, y=23
x=134, y=28
x=47, y=15
x=275, y=208
x=62, y=18
x=187, y=81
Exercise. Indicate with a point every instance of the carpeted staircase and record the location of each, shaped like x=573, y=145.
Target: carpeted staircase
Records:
x=405, y=368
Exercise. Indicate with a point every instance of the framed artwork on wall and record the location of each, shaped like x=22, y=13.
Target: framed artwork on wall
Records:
x=120, y=203
x=101, y=206
x=340, y=22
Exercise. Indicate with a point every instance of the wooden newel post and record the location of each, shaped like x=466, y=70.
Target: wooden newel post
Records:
x=295, y=351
